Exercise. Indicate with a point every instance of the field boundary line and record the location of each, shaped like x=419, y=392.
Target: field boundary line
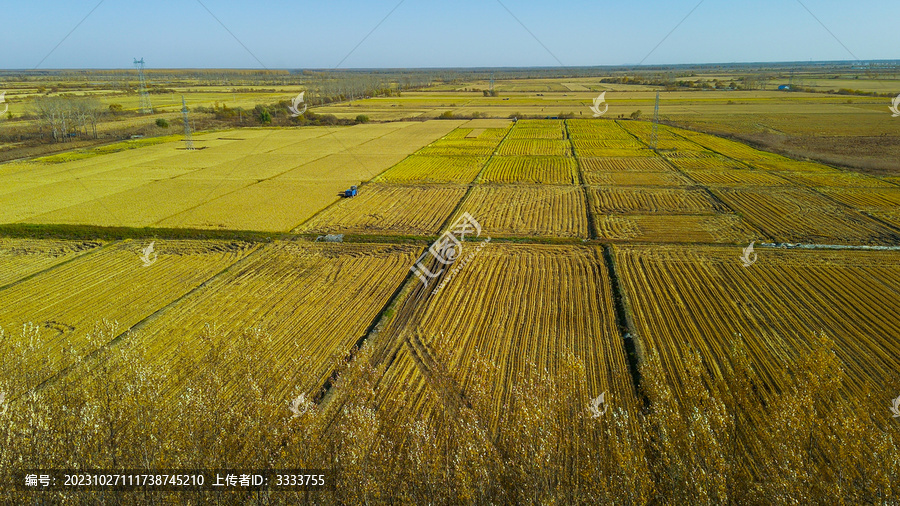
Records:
x=706, y=190
x=634, y=347
x=474, y=182
x=591, y=219
x=115, y=341
x=60, y=264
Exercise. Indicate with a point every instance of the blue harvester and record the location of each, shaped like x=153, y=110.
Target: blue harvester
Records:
x=351, y=192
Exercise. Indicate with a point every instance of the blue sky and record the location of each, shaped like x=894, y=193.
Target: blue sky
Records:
x=428, y=33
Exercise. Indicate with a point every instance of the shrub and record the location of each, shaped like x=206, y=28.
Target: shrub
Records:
x=162, y=123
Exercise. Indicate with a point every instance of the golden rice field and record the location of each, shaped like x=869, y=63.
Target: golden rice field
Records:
x=460, y=147
x=313, y=302
x=528, y=211
x=20, y=258
x=534, y=147
x=530, y=169
x=582, y=145
x=389, y=209
x=255, y=179
x=839, y=180
x=726, y=147
x=544, y=300
x=675, y=228
x=63, y=304
x=706, y=163
x=869, y=199
x=702, y=298
x=524, y=132
x=801, y=215
x=736, y=178
x=603, y=254
x=617, y=164
x=597, y=129
x=433, y=169
x=488, y=133
x=638, y=200
x=780, y=163
x=625, y=178
x=615, y=153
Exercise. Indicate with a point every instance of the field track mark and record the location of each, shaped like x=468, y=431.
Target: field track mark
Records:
x=371, y=332
x=139, y=325
x=831, y=199
x=396, y=312
x=452, y=397
x=432, y=370
x=54, y=266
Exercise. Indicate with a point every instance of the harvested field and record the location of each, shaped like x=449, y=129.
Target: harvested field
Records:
x=726, y=147
x=837, y=180
x=614, y=152
x=537, y=133
x=301, y=294
x=433, y=169
x=534, y=147
x=389, y=209
x=62, y=305
x=488, y=123
x=656, y=200
x=530, y=169
x=589, y=146
x=460, y=147
x=717, y=228
x=774, y=308
x=737, y=177
x=20, y=258
x=596, y=129
x=528, y=211
x=637, y=164
x=801, y=215
x=636, y=179
x=545, y=299
x=706, y=163
x=869, y=199
x=779, y=163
